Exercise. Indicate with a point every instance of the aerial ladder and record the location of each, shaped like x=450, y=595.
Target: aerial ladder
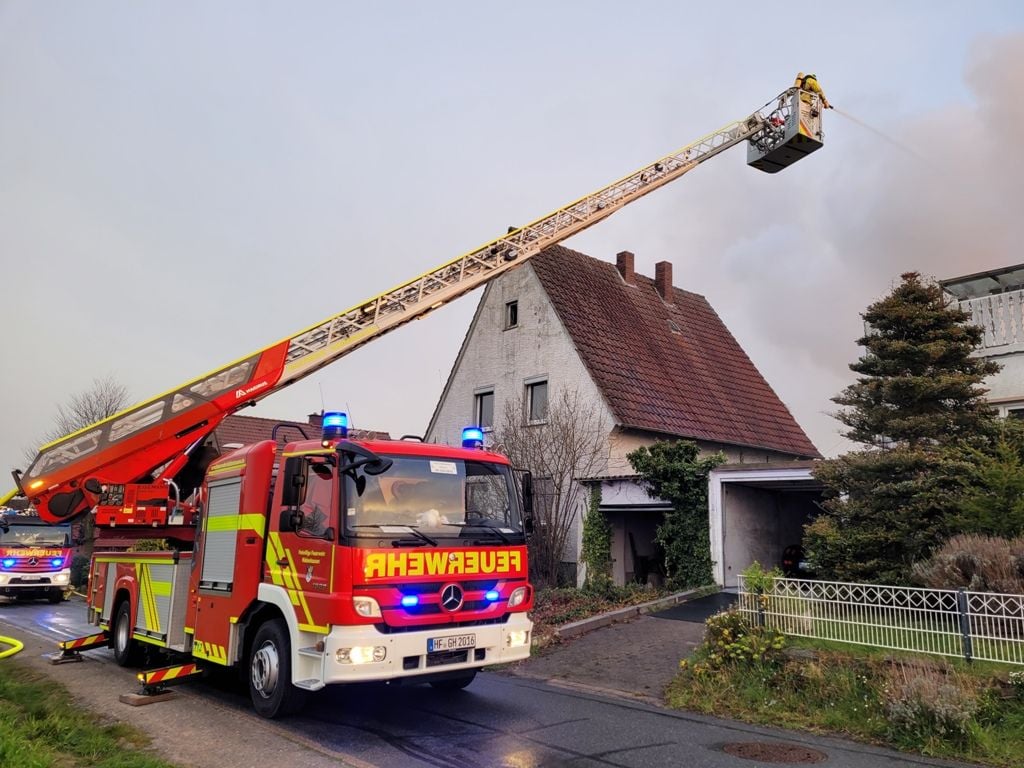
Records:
x=124, y=467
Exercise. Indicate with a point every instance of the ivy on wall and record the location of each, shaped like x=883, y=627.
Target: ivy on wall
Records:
x=597, y=544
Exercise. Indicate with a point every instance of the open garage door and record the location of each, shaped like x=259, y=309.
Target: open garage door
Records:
x=756, y=511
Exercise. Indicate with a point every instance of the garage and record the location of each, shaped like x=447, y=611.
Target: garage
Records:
x=756, y=511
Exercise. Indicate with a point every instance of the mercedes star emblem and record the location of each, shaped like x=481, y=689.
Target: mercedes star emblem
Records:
x=451, y=597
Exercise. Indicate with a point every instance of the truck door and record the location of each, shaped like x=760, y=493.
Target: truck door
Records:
x=229, y=551
x=302, y=560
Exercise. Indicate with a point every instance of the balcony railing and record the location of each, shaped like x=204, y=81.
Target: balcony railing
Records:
x=1001, y=315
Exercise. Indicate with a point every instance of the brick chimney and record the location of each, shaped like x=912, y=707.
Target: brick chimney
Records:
x=316, y=420
x=663, y=280
x=624, y=263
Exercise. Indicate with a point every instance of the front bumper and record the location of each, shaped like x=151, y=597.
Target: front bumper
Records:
x=406, y=656
x=13, y=583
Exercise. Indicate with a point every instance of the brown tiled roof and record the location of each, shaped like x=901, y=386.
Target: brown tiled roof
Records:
x=244, y=430
x=670, y=369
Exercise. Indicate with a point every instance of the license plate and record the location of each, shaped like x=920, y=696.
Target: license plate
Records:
x=31, y=578
x=450, y=643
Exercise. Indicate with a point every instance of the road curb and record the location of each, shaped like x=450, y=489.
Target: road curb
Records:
x=577, y=628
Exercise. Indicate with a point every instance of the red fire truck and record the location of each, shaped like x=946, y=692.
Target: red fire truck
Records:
x=333, y=560
x=35, y=558
x=429, y=581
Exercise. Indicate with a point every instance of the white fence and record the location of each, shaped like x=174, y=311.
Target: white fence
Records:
x=973, y=625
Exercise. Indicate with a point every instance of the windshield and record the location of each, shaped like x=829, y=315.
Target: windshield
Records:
x=441, y=497
x=33, y=536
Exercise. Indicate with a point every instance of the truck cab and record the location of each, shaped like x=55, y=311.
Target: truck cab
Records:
x=35, y=558
x=335, y=561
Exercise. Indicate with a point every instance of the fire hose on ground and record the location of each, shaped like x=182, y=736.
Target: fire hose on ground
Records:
x=15, y=646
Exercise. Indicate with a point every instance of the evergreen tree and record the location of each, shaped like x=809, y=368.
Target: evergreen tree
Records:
x=918, y=384
x=916, y=407
x=993, y=501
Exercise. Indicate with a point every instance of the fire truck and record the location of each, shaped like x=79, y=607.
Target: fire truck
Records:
x=333, y=560
x=35, y=558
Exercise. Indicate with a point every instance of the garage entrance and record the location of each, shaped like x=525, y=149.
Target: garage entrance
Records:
x=756, y=511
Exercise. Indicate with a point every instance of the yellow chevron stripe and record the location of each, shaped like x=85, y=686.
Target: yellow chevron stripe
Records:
x=147, y=612
x=302, y=594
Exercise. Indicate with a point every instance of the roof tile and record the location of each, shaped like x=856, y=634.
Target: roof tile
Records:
x=693, y=382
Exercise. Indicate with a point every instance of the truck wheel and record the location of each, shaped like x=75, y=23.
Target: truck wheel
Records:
x=455, y=683
x=54, y=596
x=127, y=652
x=270, y=673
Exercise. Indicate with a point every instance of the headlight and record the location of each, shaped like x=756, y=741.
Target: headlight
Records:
x=362, y=654
x=366, y=607
x=4, y=578
x=518, y=597
x=63, y=577
x=517, y=638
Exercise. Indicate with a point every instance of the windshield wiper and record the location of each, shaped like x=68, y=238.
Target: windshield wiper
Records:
x=421, y=538
x=480, y=526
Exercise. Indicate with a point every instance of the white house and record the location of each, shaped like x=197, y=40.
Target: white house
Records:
x=660, y=364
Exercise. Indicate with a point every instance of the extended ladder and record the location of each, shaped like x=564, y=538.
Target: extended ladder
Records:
x=154, y=437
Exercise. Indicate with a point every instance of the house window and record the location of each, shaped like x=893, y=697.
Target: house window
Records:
x=511, y=314
x=483, y=409
x=1015, y=413
x=537, y=401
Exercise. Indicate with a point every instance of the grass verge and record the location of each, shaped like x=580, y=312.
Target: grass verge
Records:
x=41, y=727
x=937, y=707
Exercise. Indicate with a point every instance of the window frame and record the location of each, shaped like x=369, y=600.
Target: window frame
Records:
x=478, y=396
x=511, y=308
x=530, y=386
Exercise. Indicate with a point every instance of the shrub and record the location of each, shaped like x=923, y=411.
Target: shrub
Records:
x=149, y=545
x=977, y=563
x=1016, y=680
x=731, y=640
x=924, y=701
x=79, y=571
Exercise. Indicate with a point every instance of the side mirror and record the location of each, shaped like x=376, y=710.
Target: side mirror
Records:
x=526, y=484
x=294, y=480
x=528, y=495
x=290, y=520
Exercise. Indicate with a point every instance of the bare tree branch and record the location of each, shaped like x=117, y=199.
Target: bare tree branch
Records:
x=100, y=401
x=570, y=444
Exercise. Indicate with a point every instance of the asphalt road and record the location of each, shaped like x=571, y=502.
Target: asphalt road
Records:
x=500, y=720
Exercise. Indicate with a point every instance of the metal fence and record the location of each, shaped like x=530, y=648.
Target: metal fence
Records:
x=946, y=622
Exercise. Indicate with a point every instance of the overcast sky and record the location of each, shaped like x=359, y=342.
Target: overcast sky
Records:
x=184, y=183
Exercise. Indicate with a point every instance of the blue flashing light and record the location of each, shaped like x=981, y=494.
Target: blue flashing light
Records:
x=334, y=426
x=492, y=595
x=8, y=562
x=57, y=562
x=472, y=437
x=408, y=601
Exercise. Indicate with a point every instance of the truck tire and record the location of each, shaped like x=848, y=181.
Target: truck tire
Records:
x=54, y=596
x=455, y=683
x=127, y=651
x=270, y=673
